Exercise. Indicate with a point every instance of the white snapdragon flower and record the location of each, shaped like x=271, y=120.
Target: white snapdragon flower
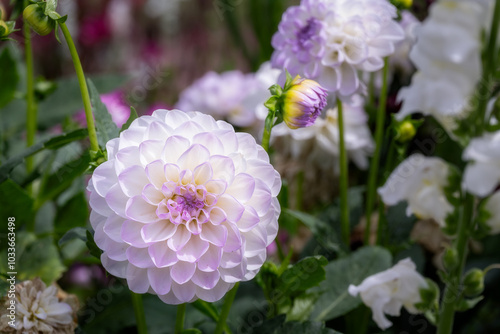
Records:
x=482, y=174
x=420, y=181
x=447, y=56
x=389, y=290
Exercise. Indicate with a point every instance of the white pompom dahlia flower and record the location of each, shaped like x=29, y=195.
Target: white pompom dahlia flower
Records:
x=184, y=207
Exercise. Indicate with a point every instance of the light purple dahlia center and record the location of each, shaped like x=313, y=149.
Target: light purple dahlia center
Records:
x=307, y=32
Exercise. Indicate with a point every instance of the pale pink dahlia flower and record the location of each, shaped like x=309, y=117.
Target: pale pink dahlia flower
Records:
x=184, y=207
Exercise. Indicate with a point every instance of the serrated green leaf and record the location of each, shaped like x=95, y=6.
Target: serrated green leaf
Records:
x=353, y=269
x=106, y=128
x=303, y=275
x=8, y=77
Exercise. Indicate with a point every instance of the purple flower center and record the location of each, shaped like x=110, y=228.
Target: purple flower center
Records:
x=185, y=203
x=308, y=31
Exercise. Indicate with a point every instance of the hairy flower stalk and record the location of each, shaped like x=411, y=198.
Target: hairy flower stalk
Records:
x=184, y=207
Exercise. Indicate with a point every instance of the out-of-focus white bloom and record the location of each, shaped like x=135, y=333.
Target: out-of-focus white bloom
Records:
x=325, y=136
x=184, y=207
x=389, y=290
x=401, y=57
x=266, y=77
x=420, y=181
x=492, y=205
x=447, y=56
x=38, y=310
x=227, y=96
x=329, y=41
x=482, y=174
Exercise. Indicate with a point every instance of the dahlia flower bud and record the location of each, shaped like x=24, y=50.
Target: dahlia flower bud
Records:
x=185, y=207
x=38, y=20
x=303, y=102
x=405, y=131
x=39, y=310
x=389, y=290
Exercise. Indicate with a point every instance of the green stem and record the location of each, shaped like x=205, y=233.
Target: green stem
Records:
x=31, y=109
x=452, y=291
x=344, y=177
x=94, y=145
x=140, y=317
x=228, y=301
x=488, y=70
x=266, y=137
x=179, y=320
x=374, y=165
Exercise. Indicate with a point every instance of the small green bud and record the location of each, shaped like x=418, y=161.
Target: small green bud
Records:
x=405, y=132
x=4, y=29
x=450, y=258
x=429, y=296
x=473, y=282
x=41, y=23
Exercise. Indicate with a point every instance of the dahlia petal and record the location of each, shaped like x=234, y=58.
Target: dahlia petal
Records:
x=116, y=250
x=172, y=172
x=216, y=187
x=216, y=235
x=156, y=174
x=179, y=239
x=214, y=294
x=188, y=129
x=256, y=261
x=158, y=131
x=205, y=280
x=193, y=250
x=182, y=271
x=140, y=210
x=249, y=219
x=209, y=141
x=233, y=209
x=115, y=268
x=194, y=156
x=261, y=170
x=104, y=177
x=255, y=241
x=150, y=150
x=223, y=168
x=131, y=138
x=139, y=257
x=112, y=148
x=175, y=146
x=117, y=200
x=228, y=139
x=175, y=117
x=185, y=292
x=234, y=240
x=231, y=259
x=233, y=275
x=96, y=218
x=131, y=234
x=126, y=158
x=160, y=280
x=152, y=195
x=202, y=173
x=113, y=227
x=170, y=298
x=217, y=215
x=211, y=259
x=158, y=231
x=132, y=180
x=261, y=199
x=98, y=204
x=161, y=255
x=137, y=279
x=242, y=187
x=193, y=227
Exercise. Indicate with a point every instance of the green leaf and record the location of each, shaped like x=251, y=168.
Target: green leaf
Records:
x=74, y=213
x=353, y=269
x=52, y=143
x=207, y=309
x=106, y=128
x=467, y=304
x=15, y=203
x=278, y=325
x=8, y=77
x=74, y=233
x=305, y=274
x=94, y=250
x=131, y=118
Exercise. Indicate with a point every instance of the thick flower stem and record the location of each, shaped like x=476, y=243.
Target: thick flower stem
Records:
x=140, y=317
x=228, y=301
x=31, y=109
x=344, y=178
x=374, y=165
x=452, y=291
x=94, y=145
x=266, y=137
x=179, y=320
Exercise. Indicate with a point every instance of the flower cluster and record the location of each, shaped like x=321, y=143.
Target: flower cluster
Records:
x=184, y=207
x=231, y=96
x=420, y=181
x=329, y=41
x=39, y=310
x=388, y=291
x=447, y=56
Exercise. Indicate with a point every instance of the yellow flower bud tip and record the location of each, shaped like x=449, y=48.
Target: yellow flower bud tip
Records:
x=406, y=131
x=36, y=18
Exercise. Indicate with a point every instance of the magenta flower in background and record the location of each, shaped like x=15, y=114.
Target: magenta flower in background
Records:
x=117, y=108
x=303, y=103
x=185, y=207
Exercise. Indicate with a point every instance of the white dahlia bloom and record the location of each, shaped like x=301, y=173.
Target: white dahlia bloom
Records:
x=447, y=55
x=184, y=207
x=324, y=135
x=492, y=205
x=38, y=310
x=330, y=40
x=482, y=174
x=420, y=181
x=389, y=290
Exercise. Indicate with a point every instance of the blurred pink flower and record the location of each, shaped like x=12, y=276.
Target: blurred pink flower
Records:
x=117, y=108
